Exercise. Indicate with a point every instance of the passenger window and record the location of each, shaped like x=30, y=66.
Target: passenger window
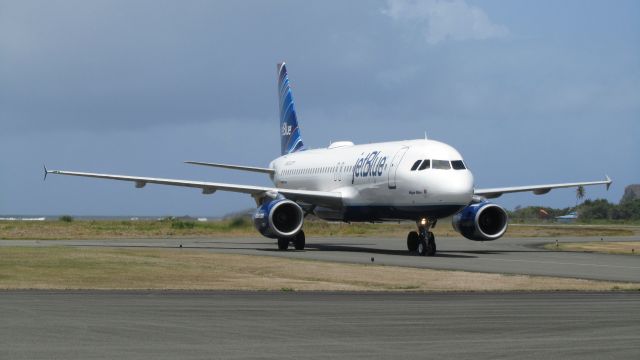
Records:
x=441, y=164
x=425, y=165
x=415, y=165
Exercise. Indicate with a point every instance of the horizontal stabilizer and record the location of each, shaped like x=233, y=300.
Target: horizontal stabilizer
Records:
x=234, y=167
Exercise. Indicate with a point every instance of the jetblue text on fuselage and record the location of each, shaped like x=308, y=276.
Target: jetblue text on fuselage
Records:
x=371, y=164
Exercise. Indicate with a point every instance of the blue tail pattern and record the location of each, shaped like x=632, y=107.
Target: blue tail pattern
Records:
x=290, y=137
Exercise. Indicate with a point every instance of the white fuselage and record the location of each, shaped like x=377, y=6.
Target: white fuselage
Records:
x=377, y=181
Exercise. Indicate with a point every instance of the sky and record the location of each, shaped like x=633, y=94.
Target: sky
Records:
x=530, y=92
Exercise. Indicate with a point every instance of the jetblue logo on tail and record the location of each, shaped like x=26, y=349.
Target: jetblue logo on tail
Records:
x=290, y=138
x=286, y=129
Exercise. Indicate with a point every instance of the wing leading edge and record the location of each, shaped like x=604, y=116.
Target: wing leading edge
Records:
x=323, y=198
x=536, y=189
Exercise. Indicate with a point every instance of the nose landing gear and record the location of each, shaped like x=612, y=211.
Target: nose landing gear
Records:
x=423, y=241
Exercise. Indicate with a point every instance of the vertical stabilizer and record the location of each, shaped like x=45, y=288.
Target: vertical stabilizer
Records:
x=290, y=137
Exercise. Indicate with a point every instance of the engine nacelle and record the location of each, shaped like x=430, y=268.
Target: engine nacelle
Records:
x=481, y=222
x=278, y=218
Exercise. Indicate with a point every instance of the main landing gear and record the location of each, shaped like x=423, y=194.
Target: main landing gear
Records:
x=423, y=241
x=298, y=241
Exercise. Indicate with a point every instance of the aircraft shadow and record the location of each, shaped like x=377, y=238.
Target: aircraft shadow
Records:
x=354, y=248
x=497, y=252
x=228, y=243
x=186, y=247
x=362, y=249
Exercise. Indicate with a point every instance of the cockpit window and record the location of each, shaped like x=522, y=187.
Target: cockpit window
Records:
x=457, y=165
x=425, y=164
x=441, y=164
x=415, y=165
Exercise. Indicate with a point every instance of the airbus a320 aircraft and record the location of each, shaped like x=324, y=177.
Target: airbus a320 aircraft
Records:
x=416, y=180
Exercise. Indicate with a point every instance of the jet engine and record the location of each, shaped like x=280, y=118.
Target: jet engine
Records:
x=279, y=218
x=481, y=222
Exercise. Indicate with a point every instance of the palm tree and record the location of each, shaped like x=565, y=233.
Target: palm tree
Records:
x=579, y=195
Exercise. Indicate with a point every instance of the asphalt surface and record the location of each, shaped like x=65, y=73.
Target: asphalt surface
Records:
x=506, y=255
x=281, y=325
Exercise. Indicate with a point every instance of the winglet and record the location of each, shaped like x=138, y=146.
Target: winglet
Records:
x=45, y=172
x=609, y=181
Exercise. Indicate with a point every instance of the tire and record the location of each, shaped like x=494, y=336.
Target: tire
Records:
x=299, y=240
x=431, y=244
x=283, y=243
x=412, y=241
x=422, y=247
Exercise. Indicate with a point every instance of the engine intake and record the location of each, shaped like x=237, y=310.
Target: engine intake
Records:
x=278, y=218
x=481, y=222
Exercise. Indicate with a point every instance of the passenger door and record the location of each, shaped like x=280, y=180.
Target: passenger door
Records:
x=393, y=167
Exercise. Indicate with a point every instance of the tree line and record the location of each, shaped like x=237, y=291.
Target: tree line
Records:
x=599, y=209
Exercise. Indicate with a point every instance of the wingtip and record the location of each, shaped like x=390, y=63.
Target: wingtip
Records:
x=45, y=172
x=609, y=181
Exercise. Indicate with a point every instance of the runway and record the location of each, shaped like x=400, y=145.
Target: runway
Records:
x=183, y=325
x=506, y=255
x=291, y=325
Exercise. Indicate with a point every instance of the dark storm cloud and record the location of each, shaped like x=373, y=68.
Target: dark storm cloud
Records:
x=139, y=86
x=123, y=64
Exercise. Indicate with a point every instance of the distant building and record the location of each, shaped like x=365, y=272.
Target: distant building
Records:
x=22, y=219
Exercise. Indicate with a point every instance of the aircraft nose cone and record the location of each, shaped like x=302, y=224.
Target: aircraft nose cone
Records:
x=459, y=187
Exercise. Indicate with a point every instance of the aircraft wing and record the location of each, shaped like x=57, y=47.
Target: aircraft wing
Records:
x=536, y=189
x=323, y=198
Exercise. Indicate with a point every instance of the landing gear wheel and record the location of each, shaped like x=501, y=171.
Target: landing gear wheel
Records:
x=422, y=247
x=412, y=241
x=431, y=244
x=283, y=243
x=299, y=241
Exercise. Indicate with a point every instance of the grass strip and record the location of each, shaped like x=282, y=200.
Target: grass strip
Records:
x=180, y=269
x=110, y=229
x=605, y=247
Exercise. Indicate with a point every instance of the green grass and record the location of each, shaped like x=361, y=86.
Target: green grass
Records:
x=107, y=229
x=606, y=222
x=110, y=229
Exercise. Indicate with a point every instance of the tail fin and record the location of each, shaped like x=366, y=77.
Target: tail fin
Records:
x=290, y=137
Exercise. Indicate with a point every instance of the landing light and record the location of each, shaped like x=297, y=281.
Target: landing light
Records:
x=423, y=222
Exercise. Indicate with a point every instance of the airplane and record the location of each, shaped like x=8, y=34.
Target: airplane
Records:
x=568, y=218
x=417, y=180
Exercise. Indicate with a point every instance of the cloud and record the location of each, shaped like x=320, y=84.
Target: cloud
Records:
x=442, y=20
